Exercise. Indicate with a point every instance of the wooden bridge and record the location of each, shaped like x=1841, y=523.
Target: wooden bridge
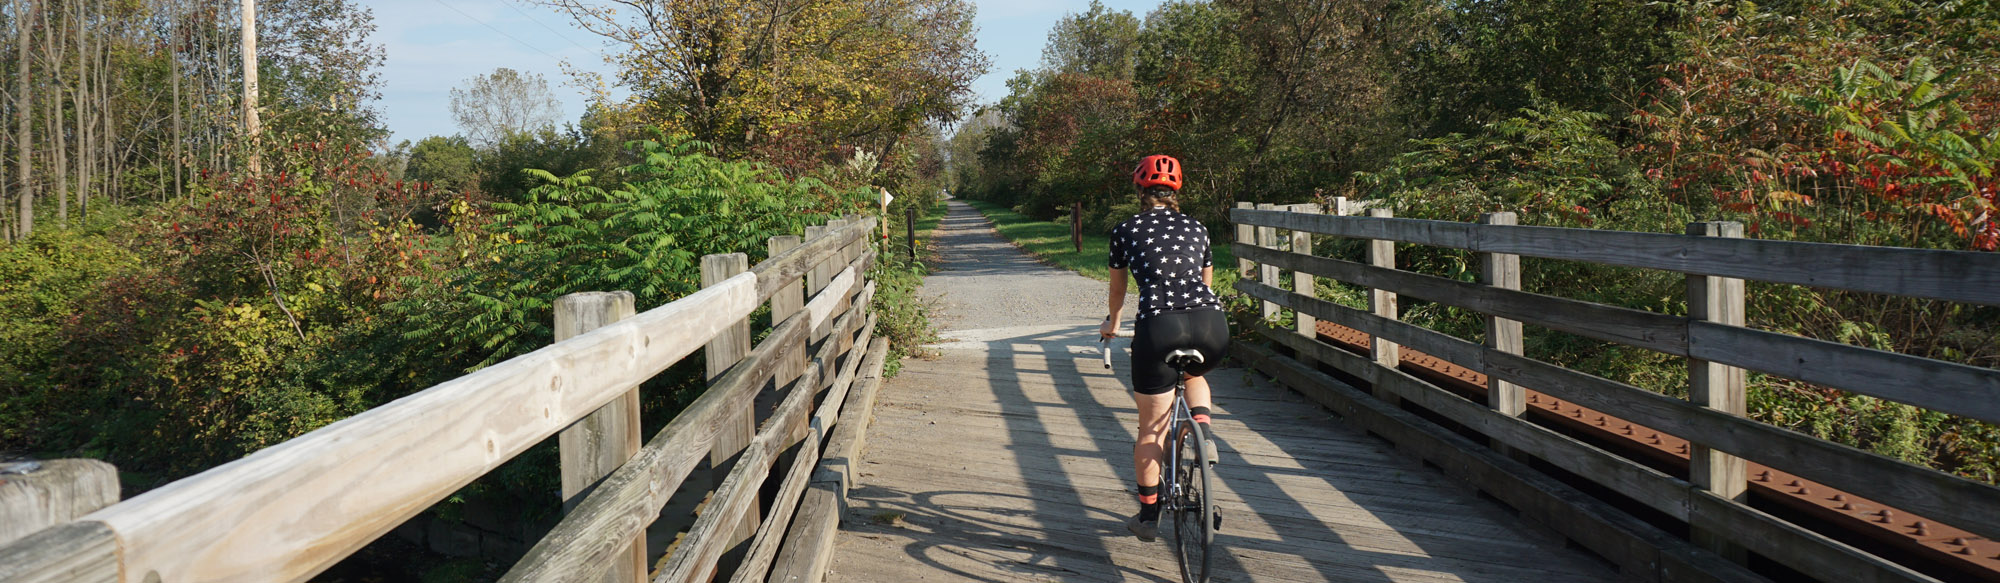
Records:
x=1383, y=451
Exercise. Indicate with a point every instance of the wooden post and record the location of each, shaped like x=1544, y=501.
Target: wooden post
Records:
x=789, y=300
x=1246, y=235
x=1502, y=270
x=1302, y=282
x=816, y=278
x=605, y=439
x=736, y=428
x=1383, y=303
x=1267, y=237
x=910, y=229
x=1719, y=387
x=1076, y=225
x=35, y=495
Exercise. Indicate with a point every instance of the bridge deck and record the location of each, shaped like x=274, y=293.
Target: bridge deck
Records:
x=1007, y=458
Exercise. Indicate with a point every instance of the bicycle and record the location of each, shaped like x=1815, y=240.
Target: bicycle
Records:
x=1185, y=468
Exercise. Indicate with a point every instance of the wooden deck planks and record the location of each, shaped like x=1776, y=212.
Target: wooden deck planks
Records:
x=1009, y=460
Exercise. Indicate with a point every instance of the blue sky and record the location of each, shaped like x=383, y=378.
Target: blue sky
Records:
x=435, y=45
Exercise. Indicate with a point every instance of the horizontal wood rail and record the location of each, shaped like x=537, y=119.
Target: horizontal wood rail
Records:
x=1953, y=388
x=1959, y=276
x=1949, y=387
x=290, y=511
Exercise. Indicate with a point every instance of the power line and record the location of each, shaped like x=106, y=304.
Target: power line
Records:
x=496, y=30
x=531, y=18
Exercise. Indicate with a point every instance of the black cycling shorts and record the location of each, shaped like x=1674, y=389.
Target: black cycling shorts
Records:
x=1202, y=329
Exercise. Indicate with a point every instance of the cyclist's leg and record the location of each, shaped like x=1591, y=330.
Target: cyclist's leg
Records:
x=1151, y=444
x=1197, y=397
x=1153, y=397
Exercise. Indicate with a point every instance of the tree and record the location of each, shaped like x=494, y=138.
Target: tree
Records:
x=444, y=162
x=795, y=82
x=1098, y=42
x=503, y=103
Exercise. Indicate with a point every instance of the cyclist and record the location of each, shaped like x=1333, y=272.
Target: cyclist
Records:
x=1168, y=254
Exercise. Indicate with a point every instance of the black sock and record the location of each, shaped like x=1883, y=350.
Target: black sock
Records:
x=1200, y=414
x=1149, y=511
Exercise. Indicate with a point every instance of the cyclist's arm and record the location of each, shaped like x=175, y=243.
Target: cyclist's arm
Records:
x=1117, y=296
x=1208, y=276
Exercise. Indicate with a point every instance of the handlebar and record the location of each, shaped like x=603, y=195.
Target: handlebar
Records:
x=1104, y=346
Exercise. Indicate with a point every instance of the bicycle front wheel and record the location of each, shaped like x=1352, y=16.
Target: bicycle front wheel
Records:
x=1194, y=508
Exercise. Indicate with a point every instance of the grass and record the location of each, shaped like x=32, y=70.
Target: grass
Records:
x=1051, y=243
x=887, y=517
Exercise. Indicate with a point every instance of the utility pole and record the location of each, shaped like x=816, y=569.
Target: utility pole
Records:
x=251, y=127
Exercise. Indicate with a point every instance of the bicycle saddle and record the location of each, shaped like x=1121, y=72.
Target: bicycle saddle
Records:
x=1184, y=357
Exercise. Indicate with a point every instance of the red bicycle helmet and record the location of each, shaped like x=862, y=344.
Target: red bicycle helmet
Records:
x=1158, y=170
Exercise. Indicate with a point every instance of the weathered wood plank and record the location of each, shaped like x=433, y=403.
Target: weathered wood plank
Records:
x=1657, y=490
x=800, y=260
x=1809, y=552
x=263, y=517
x=1717, y=386
x=1450, y=348
x=808, y=545
x=805, y=556
x=55, y=492
x=1791, y=545
x=1640, y=550
x=1245, y=234
x=74, y=552
x=764, y=550
x=1502, y=270
x=828, y=302
x=1382, y=302
x=1836, y=465
x=632, y=496
x=1304, y=284
x=722, y=353
x=733, y=504
x=843, y=448
x=1638, y=328
x=1268, y=238
x=1958, y=389
x=1961, y=276
x=1973, y=506
x=600, y=442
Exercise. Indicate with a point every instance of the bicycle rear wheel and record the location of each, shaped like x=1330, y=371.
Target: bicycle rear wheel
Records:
x=1194, y=510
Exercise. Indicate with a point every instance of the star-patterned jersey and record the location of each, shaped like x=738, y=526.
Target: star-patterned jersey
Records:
x=1165, y=252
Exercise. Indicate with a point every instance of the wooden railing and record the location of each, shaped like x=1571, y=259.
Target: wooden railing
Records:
x=292, y=510
x=1712, y=337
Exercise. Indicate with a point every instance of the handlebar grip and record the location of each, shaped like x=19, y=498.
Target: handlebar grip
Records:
x=1104, y=348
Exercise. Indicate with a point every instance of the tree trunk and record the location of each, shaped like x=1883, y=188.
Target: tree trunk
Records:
x=23, y=102
x=174, y=68
x=251, y=127
x=77, y=99
x=59, y=155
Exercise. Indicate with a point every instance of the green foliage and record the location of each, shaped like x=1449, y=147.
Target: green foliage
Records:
x=1550, y=165
x=1480, y=62
x=43, y=282
x=562, y=153
x=902, y=315
x=646, y=236
x=1095, y=43
x=444, y=162
x=183, y=333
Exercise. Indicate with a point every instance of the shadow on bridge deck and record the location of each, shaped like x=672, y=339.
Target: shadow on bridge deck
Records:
x=1007, y=458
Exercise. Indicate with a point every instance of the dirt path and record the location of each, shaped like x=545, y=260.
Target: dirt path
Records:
x=1007, y=457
